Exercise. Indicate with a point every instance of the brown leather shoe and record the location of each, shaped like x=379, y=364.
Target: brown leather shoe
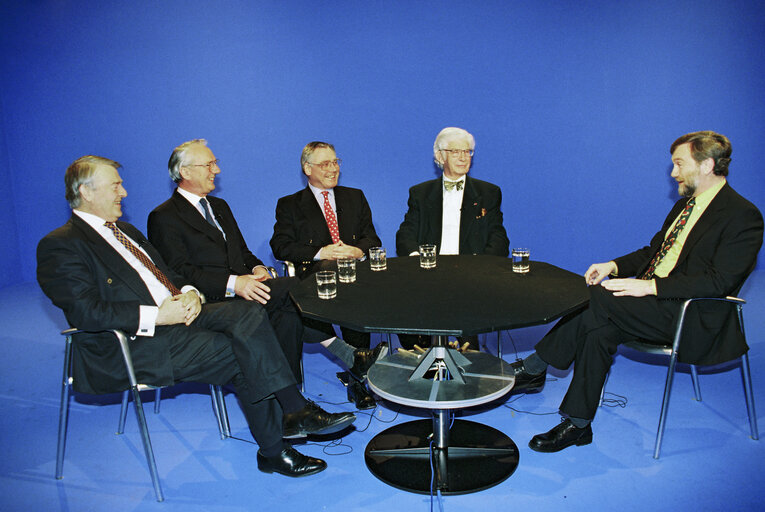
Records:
x=561, y=436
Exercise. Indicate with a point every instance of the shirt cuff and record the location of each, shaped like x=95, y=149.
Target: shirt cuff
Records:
x=147, y=320
x=316, y=256
x=231, y=286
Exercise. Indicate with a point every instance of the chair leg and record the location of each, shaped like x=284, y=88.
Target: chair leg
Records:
x=63, y=415
x=138, y=406
x=302, y=375
x=603, y=390
x=695, y=379
x=747, y=377
x=157, y=399
x=499, y=344
x=223, y=411
x=219, y=408
x=665, y=404
x=123, y=412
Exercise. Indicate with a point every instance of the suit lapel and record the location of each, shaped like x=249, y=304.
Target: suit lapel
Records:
x=434, y=202
x=112, y=261
x=191, y=216
x=315, y=216
x=707, y=219
x=471, y=201
x=344, y=217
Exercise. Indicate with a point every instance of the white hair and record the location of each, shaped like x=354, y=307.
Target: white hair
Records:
x=449, y=135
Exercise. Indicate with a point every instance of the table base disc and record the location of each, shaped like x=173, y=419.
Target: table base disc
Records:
x=478, y=457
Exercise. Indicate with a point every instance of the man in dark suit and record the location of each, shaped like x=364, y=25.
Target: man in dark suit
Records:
x=706, y=248
x=104, y=274
x=322, y=223
x=457, y=213
x=198, y=236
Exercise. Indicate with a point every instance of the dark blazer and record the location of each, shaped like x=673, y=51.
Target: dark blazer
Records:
x=716, y=258
x=97, y=289
x=301, y=230
x=481, y=229
x=196, y=249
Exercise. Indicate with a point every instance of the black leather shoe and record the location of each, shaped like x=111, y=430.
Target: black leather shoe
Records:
x=561, y=436
x=526, y=382
x=364, y=358
x=312, y=419
x=360, y=396
x=291, y=462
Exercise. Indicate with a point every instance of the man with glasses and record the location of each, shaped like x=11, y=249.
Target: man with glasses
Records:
x=198, y=236
x=104, y=274
x=457, y=213
x=321, y=224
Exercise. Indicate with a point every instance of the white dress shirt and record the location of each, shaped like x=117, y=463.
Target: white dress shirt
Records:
x=147, y=314
x=450, y=219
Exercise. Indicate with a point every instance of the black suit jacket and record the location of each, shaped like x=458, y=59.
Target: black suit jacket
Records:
x=481, y=229
x=97, y=289
x=301, y=230
x=196, y=249
x=716, y=258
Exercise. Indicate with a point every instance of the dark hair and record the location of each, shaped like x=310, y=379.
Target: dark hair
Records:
x=707, y=144
x=80, y=172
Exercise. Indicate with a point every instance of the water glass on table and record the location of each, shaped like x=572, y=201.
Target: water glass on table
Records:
x=346, y=270
x=427, y=256
x=377, y=260
x=326, y=284
x=521, y=260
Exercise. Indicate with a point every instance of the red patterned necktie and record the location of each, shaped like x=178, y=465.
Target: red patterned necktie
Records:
x=135, y=251
x=331, y=219
x=667, y=244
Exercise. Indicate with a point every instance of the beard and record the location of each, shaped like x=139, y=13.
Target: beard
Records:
x=687, y=189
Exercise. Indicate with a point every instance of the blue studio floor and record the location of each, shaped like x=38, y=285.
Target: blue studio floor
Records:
x=708, y=460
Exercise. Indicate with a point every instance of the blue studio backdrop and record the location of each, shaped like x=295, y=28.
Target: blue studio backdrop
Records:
x=573, y=106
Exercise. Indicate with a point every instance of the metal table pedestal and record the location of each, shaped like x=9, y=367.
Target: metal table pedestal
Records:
x=423, y=456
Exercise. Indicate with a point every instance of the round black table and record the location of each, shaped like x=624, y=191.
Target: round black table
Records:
x=463, y=295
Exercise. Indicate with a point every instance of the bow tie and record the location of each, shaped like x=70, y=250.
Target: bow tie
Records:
x=451, y=185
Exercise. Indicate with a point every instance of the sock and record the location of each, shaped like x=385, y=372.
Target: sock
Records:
x=290, y=399
x=534, y=364
x=341, y=350
x=579, y=422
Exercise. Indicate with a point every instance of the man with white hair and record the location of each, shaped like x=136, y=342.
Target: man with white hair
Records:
x=457, y=213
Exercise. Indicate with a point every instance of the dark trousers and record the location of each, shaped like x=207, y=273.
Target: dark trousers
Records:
x=589, y=338
x=233, y=342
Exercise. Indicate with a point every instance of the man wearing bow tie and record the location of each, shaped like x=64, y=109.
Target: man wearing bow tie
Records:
x=457, y=213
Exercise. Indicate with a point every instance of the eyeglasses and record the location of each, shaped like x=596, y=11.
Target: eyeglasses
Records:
x=209, y=165
x=327, y=165
x=459, y=152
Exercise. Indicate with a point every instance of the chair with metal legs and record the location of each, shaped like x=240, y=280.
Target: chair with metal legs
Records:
x=672, y=352
x=219, y=407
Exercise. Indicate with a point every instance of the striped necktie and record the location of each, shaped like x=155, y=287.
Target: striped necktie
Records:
x=135, y=251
